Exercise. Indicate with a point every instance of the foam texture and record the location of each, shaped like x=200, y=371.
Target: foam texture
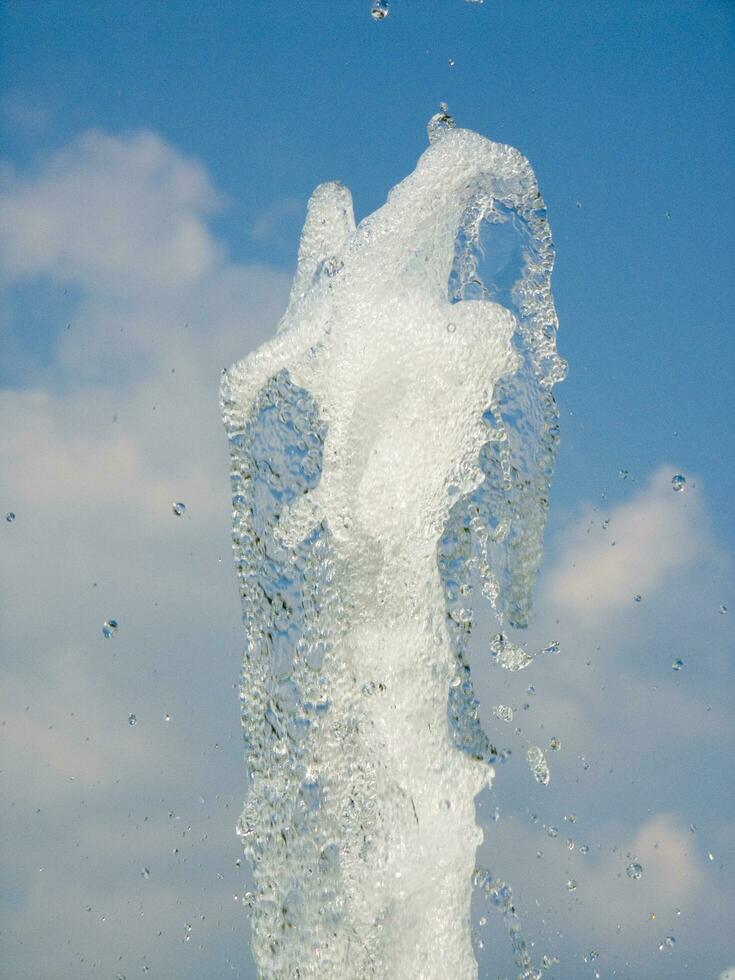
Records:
x=392, y=449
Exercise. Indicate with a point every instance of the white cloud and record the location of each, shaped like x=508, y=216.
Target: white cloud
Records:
x=123, y=213
x=122, y=421
x=650, y=539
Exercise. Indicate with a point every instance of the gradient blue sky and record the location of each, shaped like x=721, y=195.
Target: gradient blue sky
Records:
x=141, y=257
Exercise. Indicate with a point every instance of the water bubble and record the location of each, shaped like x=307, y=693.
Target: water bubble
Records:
x=592, y=956
x=634, y=871
x=572, y=885
x=637, y=598
x=451, y=327
x=451, y=62
x=145, y=873
x=109, y=628
x=167, y=717
x=552, y=647
x=178, y=508
x=503, y=712
x=555, y=744
x=440, y=123
x=623, y=474
x=570, y=844
x=678, y=482
x=677, y=664
x=570, y=817
x=10, y=517
x=668, y=943
x=552, y=831
x=132, y=720
x=723, y=609
x=379, y=9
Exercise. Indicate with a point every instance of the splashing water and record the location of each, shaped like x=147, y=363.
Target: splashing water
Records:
x=382, y=463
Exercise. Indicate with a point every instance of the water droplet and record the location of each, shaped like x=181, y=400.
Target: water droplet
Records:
x=723, y=609
x=634, y=871
x=379, y=9
x=538, y=764
x=571, y=817
x=145, y=873
x=178, y=508
x=592, y=956
x=451, y=62
x=552, y=831
x=451, y=327
x=132, y=720
x=440, y=123
x=668, y=943
x=710, y=855
x=637, y=598
x=553, y=647
x=109, y=628
x=167, y=717
x=623, y=474
x=555, y=744
x=584, y=848
x=677, y=664
x=508, y=654
x=570, y=844
x=10, y=517
x=503, y=711
x=572, y=885
x=678, y=482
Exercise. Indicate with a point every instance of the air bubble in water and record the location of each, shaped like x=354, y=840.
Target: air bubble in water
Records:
x=678, y=482
x=634, y=871
x=440, y=123
x=178, y=508
x=379, y=9
x=109, y=628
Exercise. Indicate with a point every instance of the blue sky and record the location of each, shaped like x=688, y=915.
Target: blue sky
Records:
x=157, y=158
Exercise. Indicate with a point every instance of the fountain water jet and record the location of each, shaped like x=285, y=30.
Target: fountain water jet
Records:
x=393, y=443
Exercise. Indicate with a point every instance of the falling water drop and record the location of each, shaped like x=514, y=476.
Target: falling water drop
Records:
x=109, y=628
x=132, y=720
x=145, y=873
x=178, y=508
x=677, y=664
x=634, y=871
x=379, y=9
x=572, y=885
x=668, y=943
x=10, y=517
x=503, y=712
x=678, y=482
x=723, y=609
x=553, y=647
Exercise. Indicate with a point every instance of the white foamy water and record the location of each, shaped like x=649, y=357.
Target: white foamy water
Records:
x=392, y=448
